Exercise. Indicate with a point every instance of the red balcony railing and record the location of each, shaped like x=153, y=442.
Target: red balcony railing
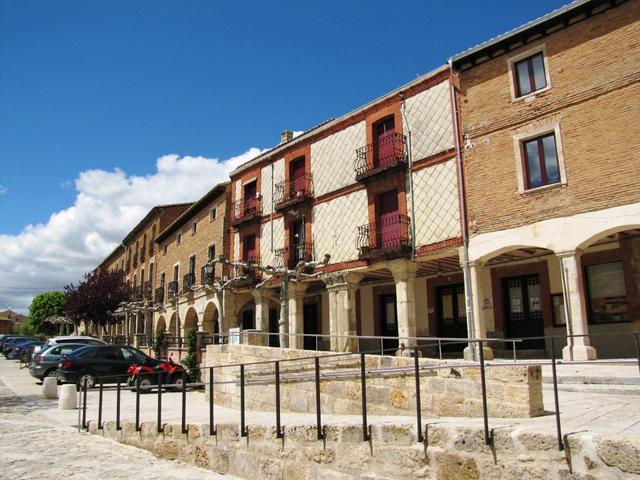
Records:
x=390, y=237
x=293, y=191
x=246, y=210
x=390, y=152
x=290, y=256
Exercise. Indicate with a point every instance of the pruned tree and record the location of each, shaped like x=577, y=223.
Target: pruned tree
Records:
x=95, y=299
x=43, y=306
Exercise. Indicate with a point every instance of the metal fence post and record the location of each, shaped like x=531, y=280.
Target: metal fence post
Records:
x=184, y=403
x=138, y=406
x=555, y=395
x=243, y=430
x=159, y=427
x=418, y=402
x=100, y=407
x=279, y=430
x=485, y=414
x=212, y=428
x=118, y=427
x=84, y=404
x=363, y=384
x=318, y=410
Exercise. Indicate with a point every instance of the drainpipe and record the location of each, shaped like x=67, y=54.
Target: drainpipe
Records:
x=463, y=213
x=409, y=179
x=272, y=206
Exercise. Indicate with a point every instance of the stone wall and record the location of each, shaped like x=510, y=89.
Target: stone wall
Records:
x=445, y=390
x=448, y=452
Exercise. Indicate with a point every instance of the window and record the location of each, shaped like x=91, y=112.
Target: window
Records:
x=212, y=252
x=529, y=75
x=194, y=227
x=178, y=238
x=164, y=249
x=162, y=277
x=192, y=264
x=176, y=272
x=212, y=214
x=607, y=293
x=541, y=161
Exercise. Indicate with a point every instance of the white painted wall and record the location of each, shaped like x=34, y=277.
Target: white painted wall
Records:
x=335, y=226
x=269, y=244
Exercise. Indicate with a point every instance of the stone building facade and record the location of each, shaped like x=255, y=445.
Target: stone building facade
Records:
x=549, y=116
x=184, y=299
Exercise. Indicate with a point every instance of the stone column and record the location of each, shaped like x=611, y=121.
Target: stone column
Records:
x=478, y=321
x=296, y=313
x=341, y=288
x=404, y=274
x=575, y=305
x=261, y=298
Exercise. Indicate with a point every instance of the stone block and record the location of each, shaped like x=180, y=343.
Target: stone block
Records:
x=319, y=454
x=451, y=465
x=68, y=396
x=394, y=434
x=621, y=453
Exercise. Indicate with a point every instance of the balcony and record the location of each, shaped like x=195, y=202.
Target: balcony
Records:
x=159, y=295
x=127, y=266
x=246, y=210
x=210, y=277
x=294, y=191
x=389, y=154
x=290, y=256
x=142, y=254
x=188, y=281
x=135, y=260
x=173, y=288
x=146, y=290
x=152, y=248
x=247, y=276
x=136, y=294
x=389, y=238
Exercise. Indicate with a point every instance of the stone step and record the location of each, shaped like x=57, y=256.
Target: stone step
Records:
x=593, y=380
x=593, y=388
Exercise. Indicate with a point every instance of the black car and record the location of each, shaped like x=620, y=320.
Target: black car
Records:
x=93, y=363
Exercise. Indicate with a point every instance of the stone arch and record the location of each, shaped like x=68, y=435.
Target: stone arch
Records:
x=190, y=320
x=210, y=319
x=161, y=325
x=172, y=323
x=602, y=233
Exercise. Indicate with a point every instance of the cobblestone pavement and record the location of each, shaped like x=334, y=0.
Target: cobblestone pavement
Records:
x=34, y=445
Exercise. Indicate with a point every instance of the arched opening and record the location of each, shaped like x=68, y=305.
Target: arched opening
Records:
x=210, y=322
x=190, y=321
x=161, y=324
x=172, y=324
x=247, y=315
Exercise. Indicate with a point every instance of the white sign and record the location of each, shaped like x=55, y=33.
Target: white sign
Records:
x=234, y=336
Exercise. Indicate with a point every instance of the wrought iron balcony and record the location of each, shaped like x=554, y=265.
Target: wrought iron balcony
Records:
x=173, y=288
x=207, y=278
x=127, y=266
x=188, y=281
x=291, y=255
x=389, y=153
x=293, y=191
x=246, y=210
x=389, y=238
x=146, y=290
x=152, y=247
x=248, y=275
x=159, y=295
x=135, y=260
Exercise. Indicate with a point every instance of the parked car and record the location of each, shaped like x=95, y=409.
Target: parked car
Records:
x=21, y=349
x=93, y=363
x=10, y=342
x=45, y=362
x=70, y=339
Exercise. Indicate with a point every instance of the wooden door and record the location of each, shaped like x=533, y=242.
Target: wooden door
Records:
x=384, y=142
x=452, y=315
x=388, y=323
x=388, y=228
x=310, y=314
x=297, y=178
x=523, y=308
x=250, y=190
x=249, y=248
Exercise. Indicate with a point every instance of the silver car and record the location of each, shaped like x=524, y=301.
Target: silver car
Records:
x=45, y=362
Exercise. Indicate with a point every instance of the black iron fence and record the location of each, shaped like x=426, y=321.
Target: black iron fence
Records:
x=245, y=210
x=293, y=191
x=159, y=383
x=389, y=235
x=388, y=152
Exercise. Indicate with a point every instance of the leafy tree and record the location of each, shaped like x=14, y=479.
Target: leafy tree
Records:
x=159, y=343
x=42, y=307
x=191, y=360
x=95, y=299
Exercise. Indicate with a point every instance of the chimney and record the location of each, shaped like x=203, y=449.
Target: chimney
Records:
x=285, y=136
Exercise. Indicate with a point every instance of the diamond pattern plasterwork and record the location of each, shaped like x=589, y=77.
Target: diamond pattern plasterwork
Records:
x=429, y=114
x=335, y=226
x=266, y=244
x=236, y=246
x=332, y=159
x=436, y=203
x=267, y=187
x=238, y=189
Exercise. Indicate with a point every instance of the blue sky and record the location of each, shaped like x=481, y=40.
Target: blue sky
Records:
x=95, y=86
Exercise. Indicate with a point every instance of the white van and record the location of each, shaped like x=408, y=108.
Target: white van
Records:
x=69, y=339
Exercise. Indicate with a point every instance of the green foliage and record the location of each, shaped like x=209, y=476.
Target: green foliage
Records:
x=42, y=307
x=191, y=360
x=159, y=343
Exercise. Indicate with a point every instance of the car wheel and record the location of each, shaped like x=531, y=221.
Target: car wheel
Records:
x=89, y=378
x=144, y=384
x=177, y=382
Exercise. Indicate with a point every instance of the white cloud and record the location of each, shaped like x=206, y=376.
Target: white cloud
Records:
x=3, y=189
x=107, y=205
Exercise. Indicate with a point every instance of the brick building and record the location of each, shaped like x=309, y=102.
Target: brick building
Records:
x=183, y=295
x=550, y=122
